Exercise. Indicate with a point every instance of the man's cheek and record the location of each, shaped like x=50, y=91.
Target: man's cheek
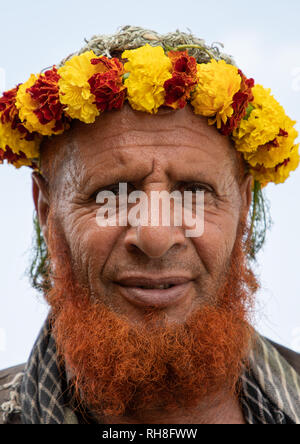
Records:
x=213, y=247
x=93, y=245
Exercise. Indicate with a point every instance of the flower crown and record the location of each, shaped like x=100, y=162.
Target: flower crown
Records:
x=87, y=85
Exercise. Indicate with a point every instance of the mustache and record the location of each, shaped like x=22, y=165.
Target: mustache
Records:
x=169, y=267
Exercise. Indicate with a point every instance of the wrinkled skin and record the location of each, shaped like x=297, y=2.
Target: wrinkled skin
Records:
x=169, y=151
x=149, y=153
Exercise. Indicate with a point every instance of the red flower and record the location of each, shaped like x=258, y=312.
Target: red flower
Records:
x=240, y=104
x=184, y=65
x=45, y=93
x=284, y=163
x=9, y=113
x=275, y=143
x=1, y=156
x=176, y=92
x=10, y=156
x=8, y=109
x=283, y=133
x=107, y=85
x=184, y=79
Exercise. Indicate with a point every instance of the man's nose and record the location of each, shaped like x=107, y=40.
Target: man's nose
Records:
x=153, y=241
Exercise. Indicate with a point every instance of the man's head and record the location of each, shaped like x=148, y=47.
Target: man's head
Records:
x=163, y=153
x=145, y=317
x=112, y=337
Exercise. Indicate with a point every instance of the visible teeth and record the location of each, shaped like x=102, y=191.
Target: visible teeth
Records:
x=157, y=287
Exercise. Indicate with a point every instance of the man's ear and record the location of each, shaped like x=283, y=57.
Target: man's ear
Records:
x=246, y=195
x=40, y=191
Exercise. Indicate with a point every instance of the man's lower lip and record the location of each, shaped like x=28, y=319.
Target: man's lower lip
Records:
x=155, y=297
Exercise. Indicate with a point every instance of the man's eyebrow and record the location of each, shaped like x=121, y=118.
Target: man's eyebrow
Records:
x=116, y=176
x=118, y=173
x=194, y=169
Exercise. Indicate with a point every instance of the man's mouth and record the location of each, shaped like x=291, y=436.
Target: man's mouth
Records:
x=154, y=292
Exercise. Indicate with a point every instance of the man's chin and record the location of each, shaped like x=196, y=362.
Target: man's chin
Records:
x=120, y=368
x=123, y=369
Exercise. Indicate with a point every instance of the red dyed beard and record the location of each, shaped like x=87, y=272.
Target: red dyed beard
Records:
x=122, y=369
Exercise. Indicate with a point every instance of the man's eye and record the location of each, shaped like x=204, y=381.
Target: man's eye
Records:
x=194, y=187
x=115, y=189
x=94, y=196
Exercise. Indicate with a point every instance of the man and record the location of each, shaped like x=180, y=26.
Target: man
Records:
x=147, y=324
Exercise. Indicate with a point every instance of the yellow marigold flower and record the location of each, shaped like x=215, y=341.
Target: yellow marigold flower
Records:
x=281, y=172
x=263, y=124
x=218, y=83
x=22, y=162
x=274, y=153
x=75, y=91
x=149, y=68
x=17, y=142
x=26, y=106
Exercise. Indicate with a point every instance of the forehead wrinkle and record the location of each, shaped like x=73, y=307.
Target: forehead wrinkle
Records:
x=103, y=136
x=155, y=131
x=132, y=145
x=122, y=163
x=56, y=155
x=95, y=143
x=73, y=174
x=126, y=158
x=160, y=136
x=152, y=170
x=120, y=168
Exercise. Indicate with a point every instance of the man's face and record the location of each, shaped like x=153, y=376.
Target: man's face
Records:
x=167, y=152
x=137, y=351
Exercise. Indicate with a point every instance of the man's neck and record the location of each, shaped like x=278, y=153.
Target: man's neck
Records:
x=214, y=410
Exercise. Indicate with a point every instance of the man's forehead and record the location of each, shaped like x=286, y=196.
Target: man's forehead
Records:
x=148, y=168
x=126, y=125
x=128, y=140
